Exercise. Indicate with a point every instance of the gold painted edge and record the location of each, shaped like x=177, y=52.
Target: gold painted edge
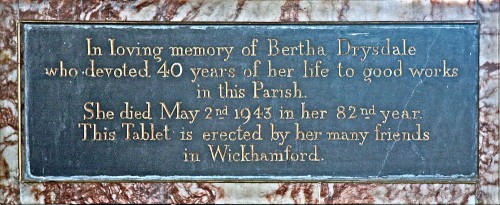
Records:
x=478, y=176
x=19, y=114
x=473, y=180
x=361, y=181
x=249, y=22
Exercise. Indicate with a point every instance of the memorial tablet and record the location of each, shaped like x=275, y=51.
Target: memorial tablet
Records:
x=253, y=102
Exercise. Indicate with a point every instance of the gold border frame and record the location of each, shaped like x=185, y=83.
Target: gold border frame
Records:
x=19, y=103
x=378, y=180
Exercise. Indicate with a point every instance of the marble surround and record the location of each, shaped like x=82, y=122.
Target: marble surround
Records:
x=485, y=191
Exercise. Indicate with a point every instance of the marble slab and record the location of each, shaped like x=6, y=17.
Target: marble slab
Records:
x=484, y=191
x=50, y=153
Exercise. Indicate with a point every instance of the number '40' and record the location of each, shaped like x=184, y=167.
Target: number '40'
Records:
x=174, y=70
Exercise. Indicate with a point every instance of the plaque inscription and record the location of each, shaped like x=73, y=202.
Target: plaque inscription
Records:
x=250, y=102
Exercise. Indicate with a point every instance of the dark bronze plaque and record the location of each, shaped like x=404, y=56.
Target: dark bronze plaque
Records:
x=376, y=101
